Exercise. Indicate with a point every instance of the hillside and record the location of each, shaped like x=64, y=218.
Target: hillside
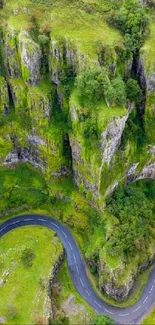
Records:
x=77, y=116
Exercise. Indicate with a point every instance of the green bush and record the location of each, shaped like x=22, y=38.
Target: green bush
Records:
x=134, y=211
x=132, y=21
x=115, y=92
x=102, y=320
x=94, y=84
x=89, y=86
x=133, y=90
x=90, y=129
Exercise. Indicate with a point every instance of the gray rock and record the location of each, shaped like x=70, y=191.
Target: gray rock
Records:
x=30, y=53
x=12, y=62
x=111, y=137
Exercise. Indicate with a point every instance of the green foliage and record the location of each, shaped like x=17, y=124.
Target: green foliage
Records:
x=1, y=4
x=43, y=39
x=89, y=85
x=90, y=129
x=27, y=257
x=64, y=320
x=133, y=22
x=134, y=91
x=115, y=93
x=94, y=84
x=102, y=320
x=135, y=213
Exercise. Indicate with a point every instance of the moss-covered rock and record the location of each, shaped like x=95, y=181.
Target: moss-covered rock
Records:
x=4, y=96
x=12, y=60
x=19, y=94
x=30, y=54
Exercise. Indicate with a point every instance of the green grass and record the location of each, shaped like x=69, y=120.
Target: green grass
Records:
x=67, y=289
x=21, y=186
x=150, y=319
x=85, y=29
x=22, y=288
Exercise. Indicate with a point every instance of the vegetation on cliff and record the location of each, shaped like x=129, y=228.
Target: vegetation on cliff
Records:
x=77, y=109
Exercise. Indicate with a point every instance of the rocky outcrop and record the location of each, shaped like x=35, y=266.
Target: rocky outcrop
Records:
x=111, y=137
x=89, y=172
x=19, y=94
x=30, y=54
x=4, y=96
x=48, y=305
x=12, y=60
x=40, y=107
x=113, y=282
x=147, y=172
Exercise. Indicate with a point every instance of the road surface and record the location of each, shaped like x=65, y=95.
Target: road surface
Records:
x=76, y=266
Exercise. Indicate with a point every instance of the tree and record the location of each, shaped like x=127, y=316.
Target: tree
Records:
x=134, y=91
x=102, y=320
x=133, y=22
x=115, y=92
x=1, y=4
x=89, y=85
x=61, y=321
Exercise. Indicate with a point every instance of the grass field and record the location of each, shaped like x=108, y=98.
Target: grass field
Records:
x=23, y=290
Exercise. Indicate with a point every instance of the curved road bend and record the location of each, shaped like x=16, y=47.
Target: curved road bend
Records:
x=77, y=271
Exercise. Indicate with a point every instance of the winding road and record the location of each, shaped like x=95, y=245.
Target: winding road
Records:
x=76, y=266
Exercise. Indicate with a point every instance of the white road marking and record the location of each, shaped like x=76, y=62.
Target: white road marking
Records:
x=77, y=270
x=96, y=311
x=70, y=245
x=136, y=309
x=108, y=311
x=81, y=282
x=74, y=258
x=123, y=315
x=151, y=289
x=13, y=223
x=54, y=225
x=28, y=219
x=154, y=281
x=42, y=220
x=64, y=234
x=88, y=293
x=97, y=304
x=3, y=228
x=145, y=300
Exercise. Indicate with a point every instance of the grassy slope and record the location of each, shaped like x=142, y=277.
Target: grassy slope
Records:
x=85, y=29
x=150, y=319
x=22, y=287
x=67, y=289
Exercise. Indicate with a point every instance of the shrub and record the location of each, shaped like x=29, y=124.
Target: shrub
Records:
x=89, y=86
x=133, y=22
x=134, y=91
x=94, y=84
x=115, y=92
x=43, y=39
x=90, y=129
x=102, y=320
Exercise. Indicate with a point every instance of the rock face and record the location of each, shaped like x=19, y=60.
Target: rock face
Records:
x=88, y=172
x=111, y=138
x=148, y=172
x=47, y=308
x=12, y=61
x=30, y=58
x=4, y=96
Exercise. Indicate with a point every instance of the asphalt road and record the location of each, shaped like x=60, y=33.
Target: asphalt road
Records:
x=76, y=266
